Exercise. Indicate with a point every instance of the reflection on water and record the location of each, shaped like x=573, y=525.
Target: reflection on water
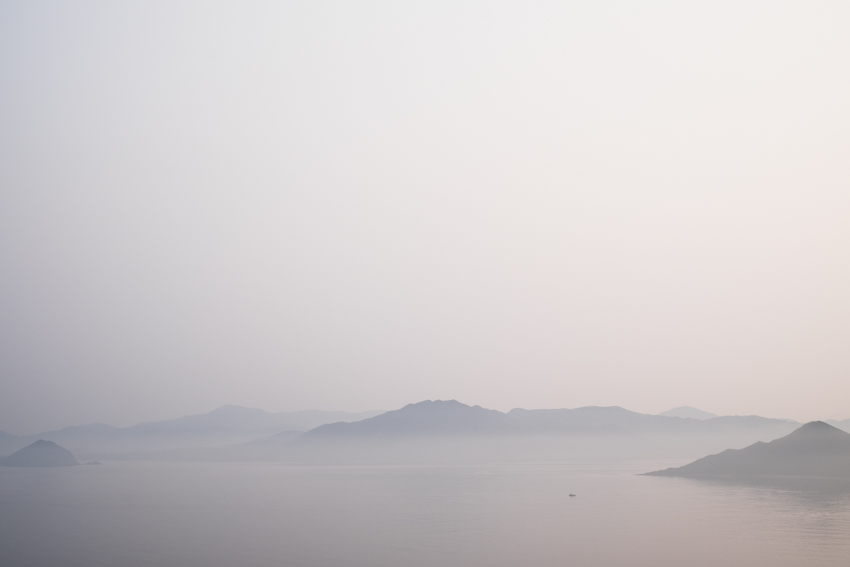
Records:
x=820, y=491
x=814, y=512
x=261, y=514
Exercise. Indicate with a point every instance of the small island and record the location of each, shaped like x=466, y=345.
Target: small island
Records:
x=40, y=454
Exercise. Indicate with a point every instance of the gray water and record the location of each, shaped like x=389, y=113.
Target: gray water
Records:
x=236, y=514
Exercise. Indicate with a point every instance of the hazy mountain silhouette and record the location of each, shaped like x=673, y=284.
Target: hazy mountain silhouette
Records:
x=816, y=449
x=454, y=418
x=428, y=418
x=688, y=412
x=227, y=425
x=615, y=420
x=591, y=420
x=40, y=454
x=235, y=433
x=232, y=418
x=441, y=431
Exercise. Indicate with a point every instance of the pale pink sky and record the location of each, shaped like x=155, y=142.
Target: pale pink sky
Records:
x=359, y=205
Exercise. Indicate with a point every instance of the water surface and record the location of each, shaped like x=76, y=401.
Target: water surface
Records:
x=183, y=514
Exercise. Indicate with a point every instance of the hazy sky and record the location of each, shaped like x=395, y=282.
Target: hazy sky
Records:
x=356, y=205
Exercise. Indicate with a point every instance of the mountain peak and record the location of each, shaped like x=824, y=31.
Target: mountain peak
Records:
x=40, y=454
x=428, y=417
x=815, y=433
x=437, y=405
x=819, y=426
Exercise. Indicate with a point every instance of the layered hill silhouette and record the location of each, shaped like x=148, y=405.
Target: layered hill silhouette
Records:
x=419, y=431
x=428, y=418
x=227, y=425
x=816, y=449
x=447, y=430
x=452, y=418
x=40, y=454
x=437, y=431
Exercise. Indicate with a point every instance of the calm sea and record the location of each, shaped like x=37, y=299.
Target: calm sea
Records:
x=228, y=515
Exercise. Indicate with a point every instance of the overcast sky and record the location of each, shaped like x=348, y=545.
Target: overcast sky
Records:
x=356, y=205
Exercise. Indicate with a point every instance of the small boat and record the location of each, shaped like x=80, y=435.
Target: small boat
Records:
x=572, y=495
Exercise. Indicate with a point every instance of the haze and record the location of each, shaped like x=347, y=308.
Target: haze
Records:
x=353, y=207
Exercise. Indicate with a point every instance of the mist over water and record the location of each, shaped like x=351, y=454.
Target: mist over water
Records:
x=210, y=515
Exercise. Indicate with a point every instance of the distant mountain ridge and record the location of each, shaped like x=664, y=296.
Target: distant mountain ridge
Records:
x=451, y=432
x=424, y=418
x=452, y=418
x=243, y=419
x=222, y=426
x=236, y=433
x=815, y=449
x=438, y=429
